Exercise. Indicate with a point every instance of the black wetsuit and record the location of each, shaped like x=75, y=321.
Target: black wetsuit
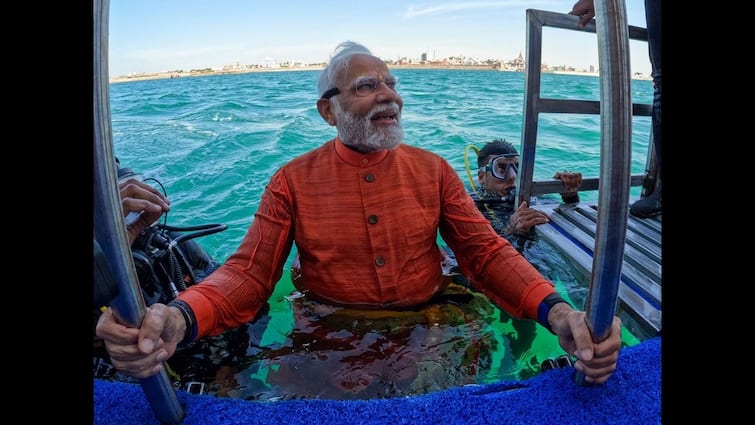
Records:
x=498, y=211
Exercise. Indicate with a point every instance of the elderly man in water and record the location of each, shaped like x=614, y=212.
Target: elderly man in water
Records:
x=364, y=210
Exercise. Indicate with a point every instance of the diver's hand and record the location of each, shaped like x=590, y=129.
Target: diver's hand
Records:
x=140, y=352
x=585, y=9
x=597, y=361
x=572, y=180
x=138, y=196
x=525, y=218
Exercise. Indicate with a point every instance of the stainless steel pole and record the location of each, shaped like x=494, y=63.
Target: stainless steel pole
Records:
x=615, y=160
x=109, y=228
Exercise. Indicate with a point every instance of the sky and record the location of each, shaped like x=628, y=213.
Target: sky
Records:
x=148, y=36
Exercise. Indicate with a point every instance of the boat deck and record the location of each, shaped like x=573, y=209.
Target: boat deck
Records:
x=572, y=231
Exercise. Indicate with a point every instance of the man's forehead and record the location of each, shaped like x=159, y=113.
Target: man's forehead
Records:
x=365, y=65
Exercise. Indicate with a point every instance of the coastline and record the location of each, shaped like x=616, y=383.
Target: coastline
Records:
x=174, y=75
x=162, y=75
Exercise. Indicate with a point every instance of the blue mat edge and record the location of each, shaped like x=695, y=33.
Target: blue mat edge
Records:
x=631, y=396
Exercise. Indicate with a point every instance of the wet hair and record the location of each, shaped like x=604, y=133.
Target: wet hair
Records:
x=496, y=147
x=338, y=62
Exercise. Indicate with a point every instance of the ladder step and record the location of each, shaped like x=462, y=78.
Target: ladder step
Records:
x=572, y=231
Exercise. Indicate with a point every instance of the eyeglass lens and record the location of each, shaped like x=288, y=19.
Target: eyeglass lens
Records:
x=368, y=85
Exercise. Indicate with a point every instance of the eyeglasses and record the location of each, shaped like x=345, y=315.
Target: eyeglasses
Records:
x=498, y=166
x=365, y=86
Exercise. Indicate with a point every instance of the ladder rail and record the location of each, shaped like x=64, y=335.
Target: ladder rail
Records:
x=535, y=104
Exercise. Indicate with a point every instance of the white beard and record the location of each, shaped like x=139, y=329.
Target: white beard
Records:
x=359, y=133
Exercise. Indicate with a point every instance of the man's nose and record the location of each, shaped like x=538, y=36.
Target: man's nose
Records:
x=509, y=174
x=385, y=93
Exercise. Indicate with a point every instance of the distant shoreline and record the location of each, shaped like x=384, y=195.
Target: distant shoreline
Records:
x=160, y=75
x=169, y=75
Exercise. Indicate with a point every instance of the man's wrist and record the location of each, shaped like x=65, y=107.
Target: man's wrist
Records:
x=557, y=315
x=546, y=313
x=190, y=322
x=570, y=198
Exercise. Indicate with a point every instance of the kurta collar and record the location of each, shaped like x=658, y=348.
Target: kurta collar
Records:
x=357, y=159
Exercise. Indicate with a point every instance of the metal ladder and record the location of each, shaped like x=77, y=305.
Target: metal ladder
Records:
x=635, y=251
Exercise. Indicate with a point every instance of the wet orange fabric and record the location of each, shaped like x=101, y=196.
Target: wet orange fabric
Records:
x=365, y=227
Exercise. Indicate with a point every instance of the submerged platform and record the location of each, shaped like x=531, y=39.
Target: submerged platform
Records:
x=572, y=230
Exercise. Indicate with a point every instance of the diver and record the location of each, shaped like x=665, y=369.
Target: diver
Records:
x=498, y=163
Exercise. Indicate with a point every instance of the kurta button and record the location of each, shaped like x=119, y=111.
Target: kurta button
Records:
x=365, y=161
x=380, y=261
x=370, y=178
x=372, y=219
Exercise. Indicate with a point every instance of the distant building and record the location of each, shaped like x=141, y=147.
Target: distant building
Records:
x=233, y=67
x=269, y=62
x=514, y=64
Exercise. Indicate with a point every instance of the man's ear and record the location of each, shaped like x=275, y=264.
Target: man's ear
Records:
x=326, y=111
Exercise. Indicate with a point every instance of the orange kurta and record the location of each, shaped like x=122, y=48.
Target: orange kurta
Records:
x=365, y=227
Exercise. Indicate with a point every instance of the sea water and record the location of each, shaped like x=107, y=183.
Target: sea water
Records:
x=214, y=141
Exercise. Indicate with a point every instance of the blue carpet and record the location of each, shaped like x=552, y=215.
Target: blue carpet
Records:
x=631, y=396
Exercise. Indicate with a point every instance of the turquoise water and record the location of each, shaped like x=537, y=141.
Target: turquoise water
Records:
x=214, y=141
